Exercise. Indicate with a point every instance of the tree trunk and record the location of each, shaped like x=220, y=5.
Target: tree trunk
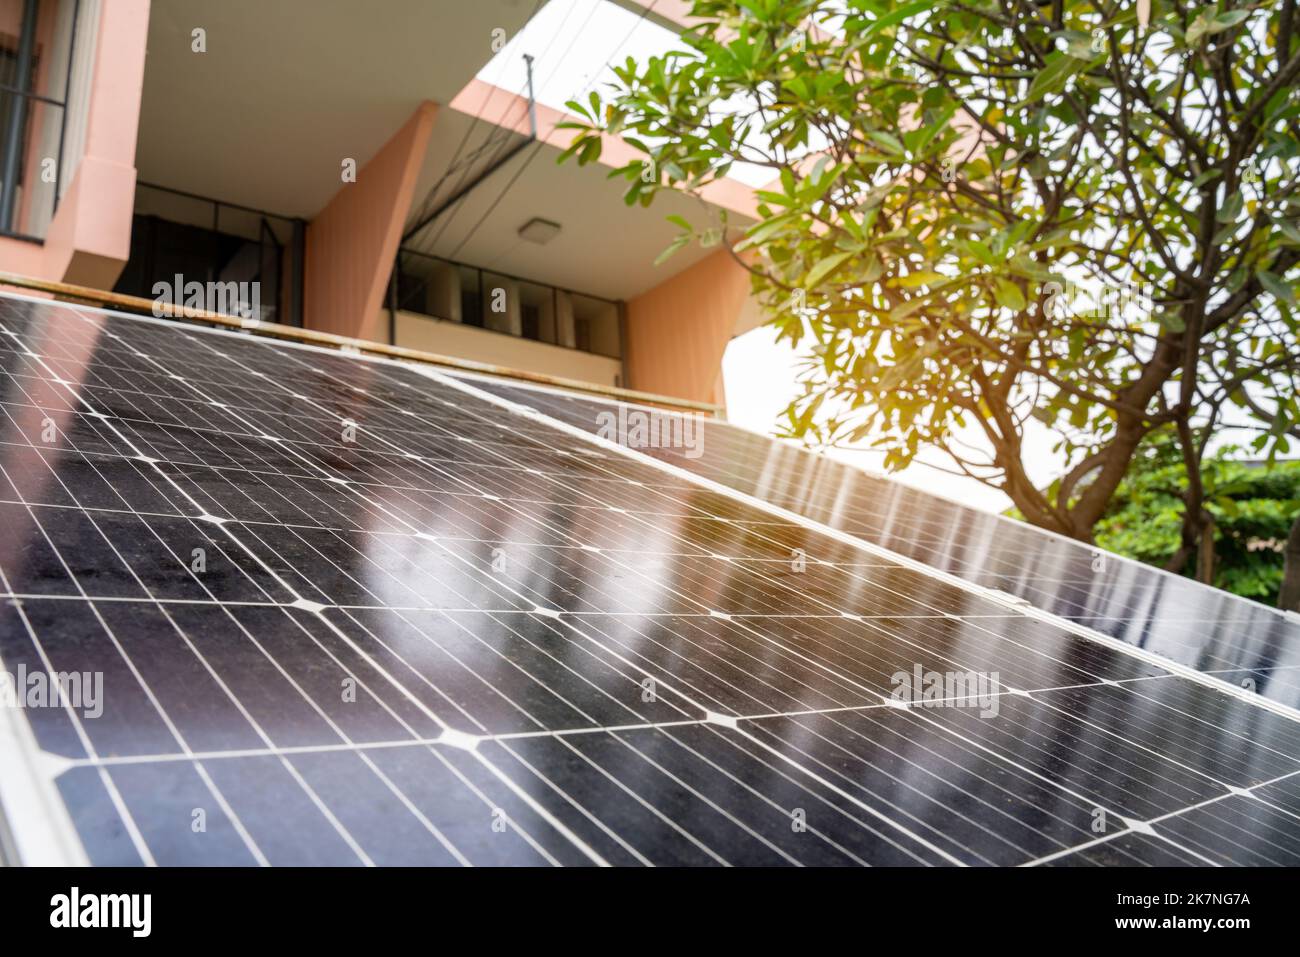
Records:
x=1288, y=598
x=1205, y=551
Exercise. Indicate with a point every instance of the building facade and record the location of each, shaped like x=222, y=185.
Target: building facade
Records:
x=370, y=168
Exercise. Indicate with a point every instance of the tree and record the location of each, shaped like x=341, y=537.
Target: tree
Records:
x=986, y=213
x=1235, y=375
x=1254, y=506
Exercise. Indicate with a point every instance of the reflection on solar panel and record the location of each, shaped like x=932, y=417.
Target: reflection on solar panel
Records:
x=327, y=610
x=1210, y=630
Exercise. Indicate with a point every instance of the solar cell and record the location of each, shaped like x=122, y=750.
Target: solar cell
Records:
x=344, y=611
x=1210, y=630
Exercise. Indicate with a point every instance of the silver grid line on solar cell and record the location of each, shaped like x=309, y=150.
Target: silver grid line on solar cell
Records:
x=730, y=722
x=1152, y=603
x=1013, y=604
x=1008, y=521
x=137, y=839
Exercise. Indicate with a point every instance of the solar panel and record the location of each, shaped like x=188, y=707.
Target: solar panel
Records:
x=1213, y=631
x=345, y=611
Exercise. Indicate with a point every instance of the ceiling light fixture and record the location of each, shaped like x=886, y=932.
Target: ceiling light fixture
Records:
x=540, y=231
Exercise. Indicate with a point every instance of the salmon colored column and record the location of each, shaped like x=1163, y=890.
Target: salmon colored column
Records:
x=678, y=331
x=352, y=242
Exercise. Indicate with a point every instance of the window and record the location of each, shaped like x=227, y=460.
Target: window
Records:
x=509, y=305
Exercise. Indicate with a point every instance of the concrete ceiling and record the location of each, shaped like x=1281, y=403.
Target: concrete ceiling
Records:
x=265, y=117
x=604, y=247
x=287, y=90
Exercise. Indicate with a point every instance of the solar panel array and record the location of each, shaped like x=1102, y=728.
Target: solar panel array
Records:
x=346, y=612
x=1207, y=629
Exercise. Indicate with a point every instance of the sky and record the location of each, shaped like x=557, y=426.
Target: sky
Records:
x=760, y=380
x=575, y=45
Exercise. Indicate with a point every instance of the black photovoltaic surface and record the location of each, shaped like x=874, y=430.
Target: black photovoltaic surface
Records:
x=1203, y=628
x=423, y=630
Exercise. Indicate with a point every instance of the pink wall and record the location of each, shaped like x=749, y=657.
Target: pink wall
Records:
x=352, y=242
x=678, y=331
x=89, y=238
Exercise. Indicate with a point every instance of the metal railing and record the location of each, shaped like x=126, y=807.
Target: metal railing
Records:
x=175, y=231
x=545, y=319
x=136, y=304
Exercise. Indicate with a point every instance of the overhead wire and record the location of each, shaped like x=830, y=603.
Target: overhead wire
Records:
x=453, y=164
x=540, y=143
x=429, y=203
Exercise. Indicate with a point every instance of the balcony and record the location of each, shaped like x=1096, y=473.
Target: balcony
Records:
x=175, y=233
x=437, y=305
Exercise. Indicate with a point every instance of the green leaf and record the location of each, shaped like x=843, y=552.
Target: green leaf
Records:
x=1228, y=20
x=824, y=269
x=980, y=251
x=1196, y=32
x=905, y=309
x=1053, y=77
x=922, y=277
x=937, y=125
x=1206, y=25
x=896, y=17
x=888, y=142
x=1171, y=321
x=1230, y=210
x=1008, y=295
x=1080, y=47
x=1279, y=289
x=763, y=231
x=1289, y=230
x=673, y=247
